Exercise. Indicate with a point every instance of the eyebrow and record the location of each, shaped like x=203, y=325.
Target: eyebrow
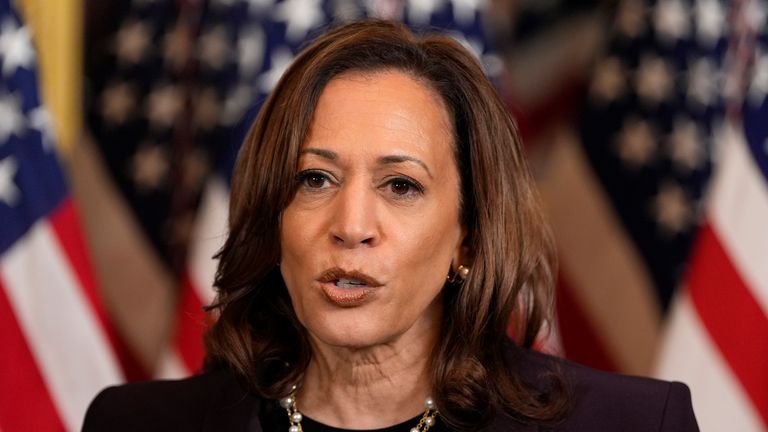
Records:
x=396, y=159
x=383, y=160
x=327, y=154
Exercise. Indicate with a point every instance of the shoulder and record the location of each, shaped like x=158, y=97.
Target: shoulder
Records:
x=188, y=404
x=608, y=401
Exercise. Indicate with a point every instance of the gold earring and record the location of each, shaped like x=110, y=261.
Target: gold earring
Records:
x=461, y=274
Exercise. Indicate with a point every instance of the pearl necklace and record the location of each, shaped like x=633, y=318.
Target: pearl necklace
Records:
x=295, y=417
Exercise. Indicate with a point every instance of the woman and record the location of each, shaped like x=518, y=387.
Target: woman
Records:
x=384, y=228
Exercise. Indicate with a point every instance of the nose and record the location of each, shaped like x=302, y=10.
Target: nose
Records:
x=354, y=218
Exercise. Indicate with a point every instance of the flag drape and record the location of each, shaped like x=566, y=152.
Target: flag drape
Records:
x=58, y=346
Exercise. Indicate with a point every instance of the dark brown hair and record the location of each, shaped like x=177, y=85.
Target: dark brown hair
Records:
x=257, y=333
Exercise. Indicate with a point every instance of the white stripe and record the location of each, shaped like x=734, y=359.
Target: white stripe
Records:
x=62, y=330
x=688, y=355
x=171, y=366
x=739, y=212
x=209, y=235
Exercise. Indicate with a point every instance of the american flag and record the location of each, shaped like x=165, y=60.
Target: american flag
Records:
x=180, y=85
x=645, y=135
x=717, y=339
x=57, y=344
x=658, y=255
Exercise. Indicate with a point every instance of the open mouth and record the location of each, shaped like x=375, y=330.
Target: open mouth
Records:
x=348, y=279
x=350, y=283
x=348, y=288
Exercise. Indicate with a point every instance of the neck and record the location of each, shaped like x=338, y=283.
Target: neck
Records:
x=367, y=388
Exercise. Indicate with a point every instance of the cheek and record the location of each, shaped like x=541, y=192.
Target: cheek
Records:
x=427, y=248
x=293, y=248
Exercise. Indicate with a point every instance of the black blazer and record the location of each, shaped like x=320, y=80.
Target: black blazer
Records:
x=216, y=401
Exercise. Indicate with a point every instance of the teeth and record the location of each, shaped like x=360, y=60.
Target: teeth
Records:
x=349, y=283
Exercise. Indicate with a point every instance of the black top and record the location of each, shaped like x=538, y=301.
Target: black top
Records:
x=216, y=401
x=273, y=417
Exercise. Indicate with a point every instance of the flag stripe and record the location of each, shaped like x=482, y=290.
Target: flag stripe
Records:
x=610, y=284
x=687, y=355
x=739, y=205
x=730, y=316
x=210, y=233
x=25, y=403
x=42, y=290
x=191, y=325
x=67, y=229
x=581, y=342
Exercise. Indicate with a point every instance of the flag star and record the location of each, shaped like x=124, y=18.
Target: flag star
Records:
x=299, y=16
x=15, y=47
x=630, y=18
x=346, y=10
x=758, y=88
x=672, y=209
x=117, y=103
x=702, y=82
x=473, y=45
x=609, y=80
x=672, y=20
x=40, y=119
x=164, y=105
x=149, y=167
x=281, y=59
x=236, y=103
x=132, y=41
x=251, y=47
x=207, y=108
x=636, y=143
x=492, y=64
x=215, y=49
x=420, y=11
x=11, y=117
x=9, y=192
x=756, y=14
x=177, y=46
x=687, y=145
x=465, y=11
x=654, y=79
x=710, y=21
x=257, y=6
x=383, y=9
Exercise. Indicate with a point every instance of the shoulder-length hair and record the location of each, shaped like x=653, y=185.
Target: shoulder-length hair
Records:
x=257, y=333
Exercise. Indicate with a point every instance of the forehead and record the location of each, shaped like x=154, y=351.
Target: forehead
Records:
x=380, y=110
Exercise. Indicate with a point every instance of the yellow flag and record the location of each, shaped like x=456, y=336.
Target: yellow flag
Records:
x=57, y=28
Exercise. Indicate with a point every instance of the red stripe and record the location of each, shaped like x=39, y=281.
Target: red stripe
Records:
x=731, y=315
x=581, y=342
x=25, y=404
x=67, y=229
x=191, y=322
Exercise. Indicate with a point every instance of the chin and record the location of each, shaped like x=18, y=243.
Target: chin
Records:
x=343, y=332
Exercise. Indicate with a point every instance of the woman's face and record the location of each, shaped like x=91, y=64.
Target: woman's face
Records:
x=374, y=226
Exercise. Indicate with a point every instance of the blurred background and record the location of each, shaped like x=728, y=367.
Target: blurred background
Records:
x=646, y=123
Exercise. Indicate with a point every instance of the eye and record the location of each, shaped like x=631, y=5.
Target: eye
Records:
x=312, y=179
x=404, y=187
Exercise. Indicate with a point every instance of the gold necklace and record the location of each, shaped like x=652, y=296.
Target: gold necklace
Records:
x=294, y=416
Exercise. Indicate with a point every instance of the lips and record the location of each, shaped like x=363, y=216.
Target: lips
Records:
x=347, y=288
